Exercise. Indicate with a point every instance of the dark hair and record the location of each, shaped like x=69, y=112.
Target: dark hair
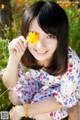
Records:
x=51, y=19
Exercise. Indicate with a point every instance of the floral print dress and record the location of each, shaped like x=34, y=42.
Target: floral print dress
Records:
x=36, y=85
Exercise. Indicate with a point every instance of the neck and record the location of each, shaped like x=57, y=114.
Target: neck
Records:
x=43, y=63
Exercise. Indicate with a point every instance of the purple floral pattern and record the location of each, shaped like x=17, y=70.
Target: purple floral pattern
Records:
x=36, y=85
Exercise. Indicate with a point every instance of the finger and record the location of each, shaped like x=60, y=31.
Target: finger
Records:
x=11, y=115
x=18, y=47
x=13, y=47
x=21, y=44
x=26, y=43
x=22, y=39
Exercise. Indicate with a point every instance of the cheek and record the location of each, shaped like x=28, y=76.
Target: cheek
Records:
x=52, y=46
x=30, y=45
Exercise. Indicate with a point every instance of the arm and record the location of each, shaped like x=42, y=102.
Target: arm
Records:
x=11, y=70
x=44, y=106
x=41, y=107
x=16, y=50
x=74, y=113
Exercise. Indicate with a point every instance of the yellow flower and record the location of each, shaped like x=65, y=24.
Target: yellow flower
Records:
x=67, y=4
x=13, y=28
x=33, y=37
x=61, y=5
x=2, y=6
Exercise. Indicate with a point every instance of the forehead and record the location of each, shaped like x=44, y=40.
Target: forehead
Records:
x=34, y=26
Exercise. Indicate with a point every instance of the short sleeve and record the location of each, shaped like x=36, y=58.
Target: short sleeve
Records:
x=22, y=78
x=26, y=85
x=67, y=93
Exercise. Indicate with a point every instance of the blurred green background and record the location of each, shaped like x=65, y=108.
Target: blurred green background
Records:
x=10, y=24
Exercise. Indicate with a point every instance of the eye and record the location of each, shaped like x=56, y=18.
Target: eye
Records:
x=51, y=36
x=33, y=37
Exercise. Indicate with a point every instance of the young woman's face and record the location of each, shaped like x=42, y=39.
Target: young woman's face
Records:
x=46, y=45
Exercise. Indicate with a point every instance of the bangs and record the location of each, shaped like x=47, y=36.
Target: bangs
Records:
x=47, y=20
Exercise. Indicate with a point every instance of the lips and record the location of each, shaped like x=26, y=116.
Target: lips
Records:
x=41, y=52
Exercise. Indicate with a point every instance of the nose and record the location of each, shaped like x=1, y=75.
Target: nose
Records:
x=41, y=43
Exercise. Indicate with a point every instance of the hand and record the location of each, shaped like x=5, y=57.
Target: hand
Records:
x=17, y=112
x=74, y=112
x=17, y=48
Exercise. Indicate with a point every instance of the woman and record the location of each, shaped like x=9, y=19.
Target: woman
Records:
x=50, y=87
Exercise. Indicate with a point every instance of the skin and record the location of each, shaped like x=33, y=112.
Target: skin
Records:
x=43, y=52
x=74, y=112
x=44, y=49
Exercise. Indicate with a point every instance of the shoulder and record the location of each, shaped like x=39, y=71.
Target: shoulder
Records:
x=73, y=62
x=72, y=56
x=73, y=71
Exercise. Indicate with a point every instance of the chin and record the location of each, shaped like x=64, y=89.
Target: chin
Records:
x=40, y=59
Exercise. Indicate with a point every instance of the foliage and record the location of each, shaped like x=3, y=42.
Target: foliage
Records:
x=4, y=102
x=3, y=52
x=73, y=12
